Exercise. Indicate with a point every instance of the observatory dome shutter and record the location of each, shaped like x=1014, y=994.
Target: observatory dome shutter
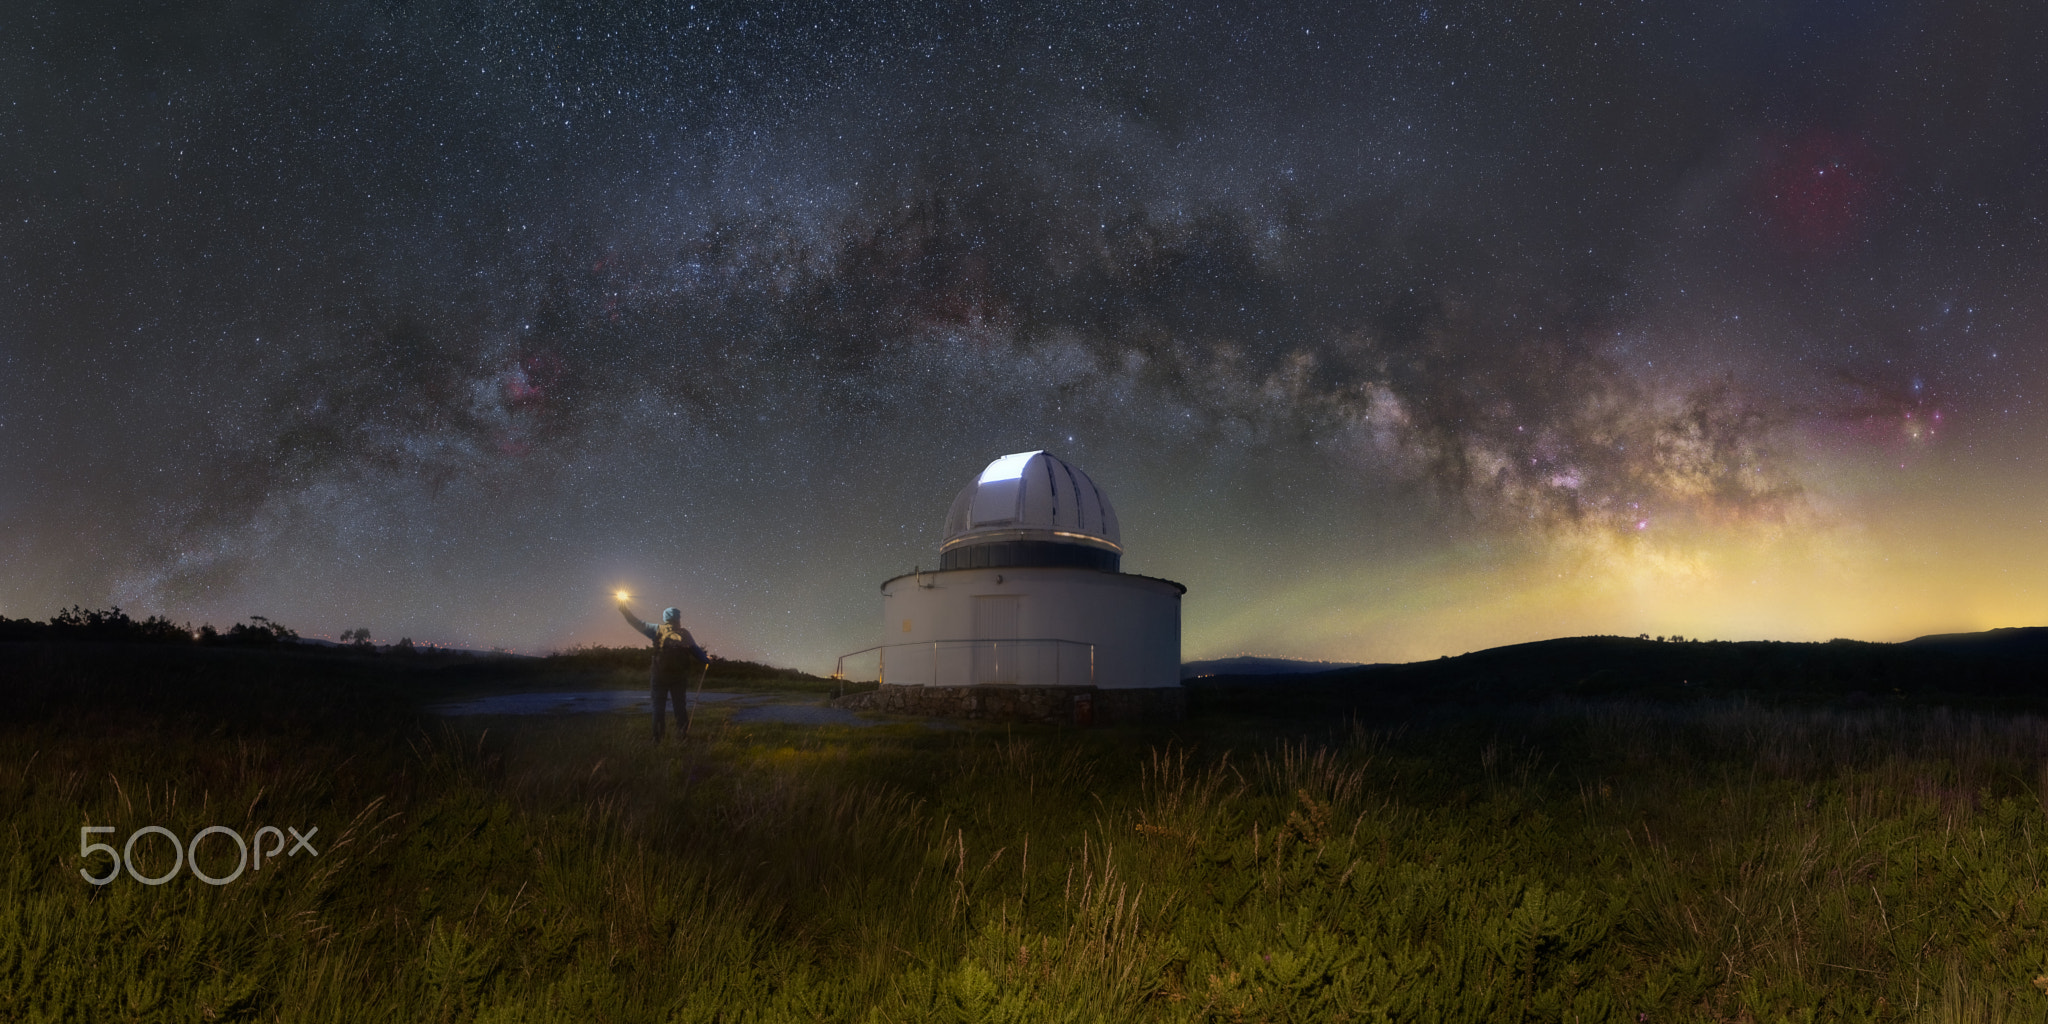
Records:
x=1031, y=509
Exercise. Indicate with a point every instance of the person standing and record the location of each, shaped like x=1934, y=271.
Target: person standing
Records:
x=677, y=659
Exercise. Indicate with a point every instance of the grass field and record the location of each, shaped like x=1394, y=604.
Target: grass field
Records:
x=1564, y=860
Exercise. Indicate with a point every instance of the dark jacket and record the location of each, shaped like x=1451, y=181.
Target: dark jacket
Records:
x=676, y=653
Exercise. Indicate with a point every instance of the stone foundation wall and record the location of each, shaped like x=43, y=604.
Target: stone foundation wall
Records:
x=1067, y=705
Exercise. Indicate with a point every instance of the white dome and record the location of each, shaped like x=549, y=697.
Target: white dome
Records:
x=1035, y=499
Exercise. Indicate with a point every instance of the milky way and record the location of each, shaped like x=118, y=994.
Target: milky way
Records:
x=1391, y=332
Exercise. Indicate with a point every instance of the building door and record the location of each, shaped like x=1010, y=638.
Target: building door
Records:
x=995, y=635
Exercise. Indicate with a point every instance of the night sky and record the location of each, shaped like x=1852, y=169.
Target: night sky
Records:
x=1391, y=330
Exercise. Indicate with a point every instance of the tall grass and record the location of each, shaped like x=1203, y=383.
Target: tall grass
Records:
x=1567, y=862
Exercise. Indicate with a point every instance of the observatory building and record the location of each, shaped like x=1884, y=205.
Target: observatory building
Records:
x=1028, y=615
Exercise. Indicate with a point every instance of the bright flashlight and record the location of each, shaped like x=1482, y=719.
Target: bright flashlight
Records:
x=622, y=595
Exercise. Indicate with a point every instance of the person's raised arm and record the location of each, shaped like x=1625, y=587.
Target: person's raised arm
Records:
x=647, y=629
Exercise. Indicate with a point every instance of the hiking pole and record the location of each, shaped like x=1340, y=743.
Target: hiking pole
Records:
x=701, y=673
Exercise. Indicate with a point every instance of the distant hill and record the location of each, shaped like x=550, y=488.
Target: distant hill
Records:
x=2001, y=667
x=1247, y=665
x=418, y=647
x=2020, y=640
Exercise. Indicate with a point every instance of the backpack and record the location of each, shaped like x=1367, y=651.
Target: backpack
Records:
x=675, y=651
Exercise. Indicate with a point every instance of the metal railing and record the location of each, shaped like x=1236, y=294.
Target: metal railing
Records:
x=1037, y=661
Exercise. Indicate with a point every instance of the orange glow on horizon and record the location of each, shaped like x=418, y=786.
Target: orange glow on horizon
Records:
x=1867, y=567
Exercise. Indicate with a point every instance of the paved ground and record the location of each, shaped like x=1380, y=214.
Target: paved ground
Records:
x=752, y=707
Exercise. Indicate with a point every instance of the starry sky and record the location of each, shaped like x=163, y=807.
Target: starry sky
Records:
x=1392, y=330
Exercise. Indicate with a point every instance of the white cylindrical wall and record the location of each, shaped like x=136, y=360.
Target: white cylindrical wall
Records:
x=1133, y=623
